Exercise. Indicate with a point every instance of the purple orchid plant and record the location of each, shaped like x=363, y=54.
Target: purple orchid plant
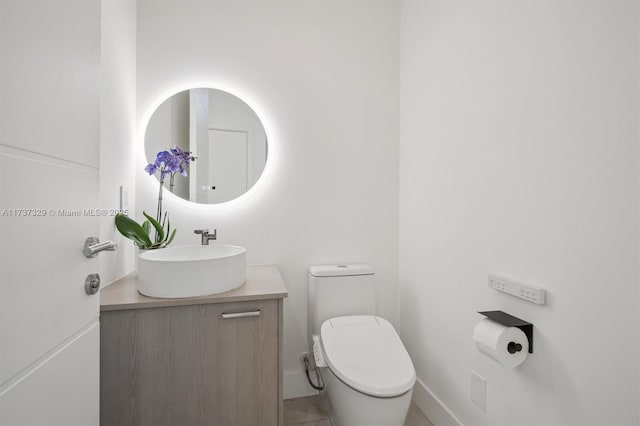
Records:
x=168, y=163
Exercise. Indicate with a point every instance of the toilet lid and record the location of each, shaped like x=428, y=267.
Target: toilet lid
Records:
x=366, y=353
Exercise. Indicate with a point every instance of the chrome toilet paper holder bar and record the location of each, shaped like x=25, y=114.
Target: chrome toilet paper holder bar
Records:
x=511, y=321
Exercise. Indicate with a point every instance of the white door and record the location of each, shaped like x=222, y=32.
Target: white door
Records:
x=227, y=164
x=49, y=146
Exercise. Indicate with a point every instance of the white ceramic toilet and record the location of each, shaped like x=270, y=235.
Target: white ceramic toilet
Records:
x=369, y=377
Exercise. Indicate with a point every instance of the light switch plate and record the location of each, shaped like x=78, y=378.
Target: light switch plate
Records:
x=479, y=390
x=124, y=198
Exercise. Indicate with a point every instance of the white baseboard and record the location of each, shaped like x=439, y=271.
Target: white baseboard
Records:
x=435, y=410
x=296, y=384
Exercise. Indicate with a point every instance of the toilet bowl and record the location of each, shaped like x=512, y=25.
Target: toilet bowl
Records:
x=367, y=373
x=369, y=376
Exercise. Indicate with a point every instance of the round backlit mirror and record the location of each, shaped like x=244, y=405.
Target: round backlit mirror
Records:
x=207, y=145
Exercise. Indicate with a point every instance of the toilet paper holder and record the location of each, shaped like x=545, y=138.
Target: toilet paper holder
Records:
x=511, y=321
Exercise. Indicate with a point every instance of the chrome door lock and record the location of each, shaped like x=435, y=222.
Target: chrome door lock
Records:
x=92, y=284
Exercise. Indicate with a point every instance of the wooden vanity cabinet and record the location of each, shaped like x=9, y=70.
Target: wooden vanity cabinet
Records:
x=204, y=364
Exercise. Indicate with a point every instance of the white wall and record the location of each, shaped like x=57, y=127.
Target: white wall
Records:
x=519, y=156
x=117, y=127
x=323, y=77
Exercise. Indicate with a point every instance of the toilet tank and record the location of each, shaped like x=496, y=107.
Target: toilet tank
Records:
x=339, y=290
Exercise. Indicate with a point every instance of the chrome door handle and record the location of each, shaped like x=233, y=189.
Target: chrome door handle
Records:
x=241, y=314
x=93, y=246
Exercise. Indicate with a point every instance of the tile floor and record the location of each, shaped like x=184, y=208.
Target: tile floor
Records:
x=309, y=411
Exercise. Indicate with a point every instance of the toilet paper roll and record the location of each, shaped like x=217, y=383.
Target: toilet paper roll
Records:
x=501, y=343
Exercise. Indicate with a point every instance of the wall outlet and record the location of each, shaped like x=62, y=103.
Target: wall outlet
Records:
x=522, y=291
x=479, y=390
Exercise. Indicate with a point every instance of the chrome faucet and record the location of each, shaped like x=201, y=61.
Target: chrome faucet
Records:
x=206, y=237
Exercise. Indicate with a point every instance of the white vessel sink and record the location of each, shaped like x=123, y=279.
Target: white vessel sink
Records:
x=191, y=271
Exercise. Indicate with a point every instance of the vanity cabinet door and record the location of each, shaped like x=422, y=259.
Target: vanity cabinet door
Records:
x=215, y=364
x=246, y=364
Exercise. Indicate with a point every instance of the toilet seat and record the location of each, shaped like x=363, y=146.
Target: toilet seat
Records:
x=366, y=353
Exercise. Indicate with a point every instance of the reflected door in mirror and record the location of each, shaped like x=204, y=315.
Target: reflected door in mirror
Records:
x=227, y=166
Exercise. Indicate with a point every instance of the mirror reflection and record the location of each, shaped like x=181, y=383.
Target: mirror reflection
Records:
x=224, y=135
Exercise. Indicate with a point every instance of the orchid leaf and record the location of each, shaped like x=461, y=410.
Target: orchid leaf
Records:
x=146, y=226
x=156, y=225
x=173, y=234
x=129, y=228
